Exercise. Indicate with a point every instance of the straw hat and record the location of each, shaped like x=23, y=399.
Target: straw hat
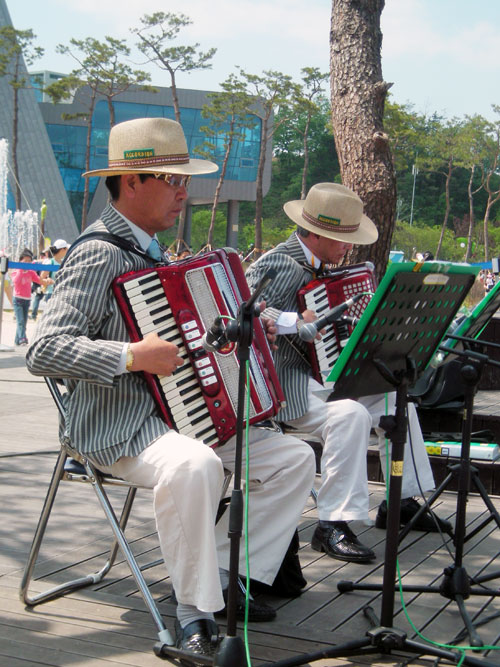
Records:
x=334, y=211
x=150, y=145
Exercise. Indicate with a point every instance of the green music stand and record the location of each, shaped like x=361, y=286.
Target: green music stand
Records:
x=394, y=341
x=407, y=317
x=474, y=324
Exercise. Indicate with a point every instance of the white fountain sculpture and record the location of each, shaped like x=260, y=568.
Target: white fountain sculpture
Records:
x=18, y=230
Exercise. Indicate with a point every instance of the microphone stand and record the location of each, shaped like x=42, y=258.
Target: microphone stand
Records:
x=231, y=651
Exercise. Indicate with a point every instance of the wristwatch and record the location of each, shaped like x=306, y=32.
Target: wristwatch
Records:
x=130, y=359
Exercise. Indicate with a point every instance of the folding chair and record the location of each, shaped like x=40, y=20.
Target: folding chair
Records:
x=71, y=466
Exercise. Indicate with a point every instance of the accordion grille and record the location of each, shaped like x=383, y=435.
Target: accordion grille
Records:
x=206, y=305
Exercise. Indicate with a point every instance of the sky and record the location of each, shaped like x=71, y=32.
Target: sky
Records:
x=441, y=55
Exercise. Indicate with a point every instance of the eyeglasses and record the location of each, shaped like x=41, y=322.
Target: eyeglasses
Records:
x=175, y=180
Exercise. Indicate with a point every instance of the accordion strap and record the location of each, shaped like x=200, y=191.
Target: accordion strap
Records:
x=109, y=238
x=289, y=337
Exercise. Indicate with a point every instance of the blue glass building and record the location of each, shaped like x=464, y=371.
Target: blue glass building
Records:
x=67, y=131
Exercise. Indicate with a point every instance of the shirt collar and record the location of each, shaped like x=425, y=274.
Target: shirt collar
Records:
x=142, y=237
x=311, y=259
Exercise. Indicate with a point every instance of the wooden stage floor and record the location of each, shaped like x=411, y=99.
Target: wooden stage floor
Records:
x=109, y=625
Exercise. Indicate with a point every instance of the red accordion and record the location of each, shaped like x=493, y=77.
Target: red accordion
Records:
x=180, y=302
x=330, y=290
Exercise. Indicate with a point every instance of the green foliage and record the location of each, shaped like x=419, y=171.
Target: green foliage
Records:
x=272, y=234
x=161, y=28
x=15, y=46
x=288, y=164
x=101, y=66
x=419, y=238
x=200, y=224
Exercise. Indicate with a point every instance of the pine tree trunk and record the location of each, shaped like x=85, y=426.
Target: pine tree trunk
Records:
x=210, y=239
x=259, y=192
x=15, y=130
x=358, y=94
x=447, y=209
x=305, y=168
x=485, y=229
x=86, y=187
x=468, y=251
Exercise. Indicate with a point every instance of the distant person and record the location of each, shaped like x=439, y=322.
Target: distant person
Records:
x=39, y=292
x=7, y=283
x=22, y=280
x=53, y=255
x=489, y=282
x=57, y=253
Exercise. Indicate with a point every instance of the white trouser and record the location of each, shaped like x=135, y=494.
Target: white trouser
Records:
x=186, y=477
x=417, y=472
x=344, y=430
x=282, y=470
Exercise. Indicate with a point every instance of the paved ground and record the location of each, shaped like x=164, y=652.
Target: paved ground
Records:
x=9, y=330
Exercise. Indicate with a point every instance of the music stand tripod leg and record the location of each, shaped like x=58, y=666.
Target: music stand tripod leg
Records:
x=384, y=638
x=455, y=585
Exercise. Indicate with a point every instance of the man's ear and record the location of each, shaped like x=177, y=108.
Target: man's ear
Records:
x=128, y=185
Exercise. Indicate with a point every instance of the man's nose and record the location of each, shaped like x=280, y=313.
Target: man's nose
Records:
x=182, y=192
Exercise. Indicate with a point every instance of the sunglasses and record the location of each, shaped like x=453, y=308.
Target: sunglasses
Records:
x=175, y=180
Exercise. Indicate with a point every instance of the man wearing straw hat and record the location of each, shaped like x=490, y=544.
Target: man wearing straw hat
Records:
x=111, y=415
x=329, y=222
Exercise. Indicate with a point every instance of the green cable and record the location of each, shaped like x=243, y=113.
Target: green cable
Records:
x=247, y=558
x=387, y=456
x=460, y=649
x=247, y=466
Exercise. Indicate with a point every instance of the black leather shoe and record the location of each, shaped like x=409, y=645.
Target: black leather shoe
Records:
x=409, y=507
x=257, y=612
x=199, y=637
x=338, y=541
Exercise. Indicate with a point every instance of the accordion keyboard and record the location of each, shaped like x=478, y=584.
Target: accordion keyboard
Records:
x=181, y=390
x=328, y=348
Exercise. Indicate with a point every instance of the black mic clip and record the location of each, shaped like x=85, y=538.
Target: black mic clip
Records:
x=215, y=337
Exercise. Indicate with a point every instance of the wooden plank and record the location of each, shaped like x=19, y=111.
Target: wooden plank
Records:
x=58, y=641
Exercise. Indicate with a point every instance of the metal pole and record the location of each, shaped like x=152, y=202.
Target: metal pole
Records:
x=4, y=266
x=414, y=171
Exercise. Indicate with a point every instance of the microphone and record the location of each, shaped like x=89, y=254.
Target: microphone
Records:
x=308, y=331
x=350, y=320
x=215, y=338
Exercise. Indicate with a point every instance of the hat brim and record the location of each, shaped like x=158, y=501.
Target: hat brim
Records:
x=191, y=168
x=365, y=234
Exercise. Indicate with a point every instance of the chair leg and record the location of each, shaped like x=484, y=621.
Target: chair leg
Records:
x=119, y=541
x=163, y=633
x=62, y=589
